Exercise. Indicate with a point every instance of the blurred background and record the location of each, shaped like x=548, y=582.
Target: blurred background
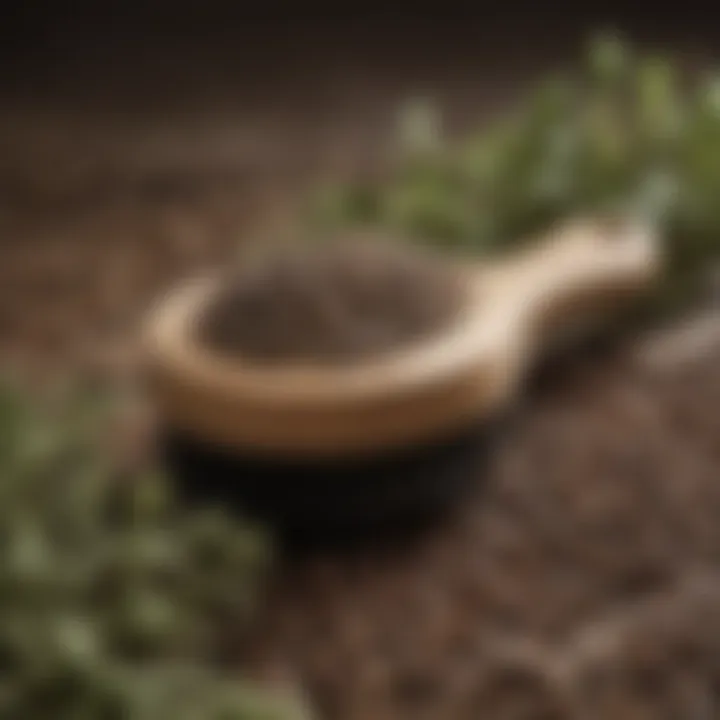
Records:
x=151, y=137
x=141, y=142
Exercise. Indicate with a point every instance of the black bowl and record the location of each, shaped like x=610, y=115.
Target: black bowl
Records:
x=324, y=503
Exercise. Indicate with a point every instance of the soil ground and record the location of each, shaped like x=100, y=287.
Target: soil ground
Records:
x=582, y=581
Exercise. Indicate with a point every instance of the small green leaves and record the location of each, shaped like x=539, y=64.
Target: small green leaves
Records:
x=622, y=132
x=419, y=130
x=106, y=585
x=608, y=60
x=659, y=106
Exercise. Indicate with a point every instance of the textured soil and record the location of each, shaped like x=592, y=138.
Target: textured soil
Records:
x=582, y=580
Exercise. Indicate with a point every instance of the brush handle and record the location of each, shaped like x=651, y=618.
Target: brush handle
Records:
x=578, y=277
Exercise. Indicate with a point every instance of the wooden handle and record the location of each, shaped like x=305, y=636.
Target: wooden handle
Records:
x=581, y=274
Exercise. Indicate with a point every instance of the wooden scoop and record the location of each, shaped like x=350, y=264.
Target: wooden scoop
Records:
x=514, y=309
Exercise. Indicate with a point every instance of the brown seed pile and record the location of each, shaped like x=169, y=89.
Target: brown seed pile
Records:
x=331, y=302
x=538, y=600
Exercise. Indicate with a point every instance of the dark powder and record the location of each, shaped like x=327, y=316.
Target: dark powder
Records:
x=330, y=302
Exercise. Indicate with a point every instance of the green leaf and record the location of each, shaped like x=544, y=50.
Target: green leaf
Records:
x=608, y=59
x=419, y=128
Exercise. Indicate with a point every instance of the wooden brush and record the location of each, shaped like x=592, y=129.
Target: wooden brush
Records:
x=314, y=447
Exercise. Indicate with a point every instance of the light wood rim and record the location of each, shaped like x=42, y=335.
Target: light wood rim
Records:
x=409, y=394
